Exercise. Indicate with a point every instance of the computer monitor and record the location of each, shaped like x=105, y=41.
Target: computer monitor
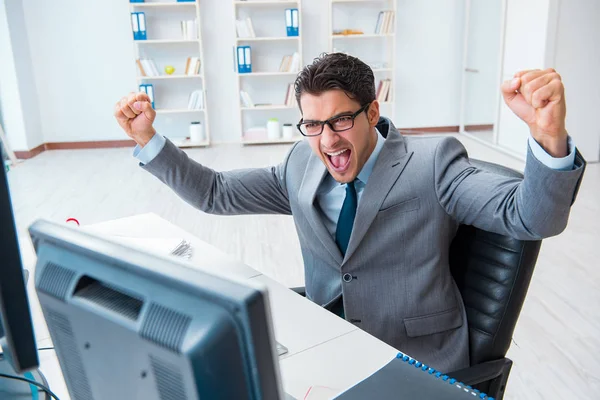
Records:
x=129, y=325
x=19, y=351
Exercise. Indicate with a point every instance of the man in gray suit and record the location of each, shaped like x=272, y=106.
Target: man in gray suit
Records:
x=376, y=211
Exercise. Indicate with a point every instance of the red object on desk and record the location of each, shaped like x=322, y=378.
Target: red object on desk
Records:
x=73, y=220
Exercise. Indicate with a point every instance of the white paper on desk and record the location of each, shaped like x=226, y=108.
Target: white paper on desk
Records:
x=152, y=245
x=162, y=246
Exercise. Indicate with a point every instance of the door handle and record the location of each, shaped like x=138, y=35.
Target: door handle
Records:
x=476, y=71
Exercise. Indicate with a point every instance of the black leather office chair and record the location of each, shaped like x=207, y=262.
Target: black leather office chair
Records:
x=492, y=273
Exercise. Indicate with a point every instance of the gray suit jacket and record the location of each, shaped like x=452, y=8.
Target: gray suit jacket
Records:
x=395, y=278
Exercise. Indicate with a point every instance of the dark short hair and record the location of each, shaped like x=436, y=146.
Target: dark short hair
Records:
x=337, y=71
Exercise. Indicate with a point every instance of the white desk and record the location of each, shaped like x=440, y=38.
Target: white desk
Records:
x=324, y=350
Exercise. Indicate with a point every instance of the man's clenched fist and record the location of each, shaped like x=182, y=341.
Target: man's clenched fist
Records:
x=538, y=98
x=135, y=115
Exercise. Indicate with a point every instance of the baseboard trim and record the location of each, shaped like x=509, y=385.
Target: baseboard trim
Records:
x=474, y=128
x=27, y=154
x=425, y=130
x=110, y=144
x=103, y=144
x=445, y=129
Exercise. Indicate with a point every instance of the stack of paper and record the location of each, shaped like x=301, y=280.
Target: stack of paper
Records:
x=384, y=90
x=246, y=99
x=176, y=247
x=244, y=28
x=192, y=66
x=385, y=23
x=189, y=29
x=290, y=63
x=147, y=67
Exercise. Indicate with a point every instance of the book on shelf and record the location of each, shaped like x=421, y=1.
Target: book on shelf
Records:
x=290, y=96
x=290, y=63
x=384, y=90
x=385, y=23
x=192, y=66
x=147, y=67
x=246, y=99
x=189, y=29
x=196, y=101
x=244, y=28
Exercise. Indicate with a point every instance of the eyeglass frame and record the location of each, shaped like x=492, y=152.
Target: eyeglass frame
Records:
x=328, y=121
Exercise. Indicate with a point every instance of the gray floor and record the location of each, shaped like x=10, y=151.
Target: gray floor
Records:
x=556, y=343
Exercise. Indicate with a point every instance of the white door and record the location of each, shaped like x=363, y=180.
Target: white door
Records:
x=481, y=67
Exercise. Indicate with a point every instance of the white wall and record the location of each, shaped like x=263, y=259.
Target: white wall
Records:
x=577, y=59
x=19, y=105
x=562, y=34
x=525, y=46
x=82, y=55
x=429, y=60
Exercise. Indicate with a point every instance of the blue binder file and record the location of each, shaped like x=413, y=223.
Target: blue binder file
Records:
x=135, y=26
x=149, y=90
x=288, y=22
x=136, y=1
x=240, y=59
x=291, y=21
x=406, y=378
x=142, y=25
x=244, y=59
x=295, y=22
x=248, y=59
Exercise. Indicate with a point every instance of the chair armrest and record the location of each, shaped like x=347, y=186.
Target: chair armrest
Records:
x=482, y=372
x=300, y=290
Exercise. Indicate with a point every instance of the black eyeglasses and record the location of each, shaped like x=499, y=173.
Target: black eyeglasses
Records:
x=338, y=123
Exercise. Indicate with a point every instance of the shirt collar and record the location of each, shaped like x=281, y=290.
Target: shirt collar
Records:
x=367, y=169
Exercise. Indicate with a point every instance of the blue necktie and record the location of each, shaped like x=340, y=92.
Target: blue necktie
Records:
x=346, y=219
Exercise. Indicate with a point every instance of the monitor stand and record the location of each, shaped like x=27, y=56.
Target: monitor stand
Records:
x=11, y=389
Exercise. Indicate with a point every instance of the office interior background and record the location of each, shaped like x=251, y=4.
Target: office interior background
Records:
x=64, y=65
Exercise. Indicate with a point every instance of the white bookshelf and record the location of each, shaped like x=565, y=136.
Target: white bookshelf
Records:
x=266, y=85
x=376, y=49
x=166, y=46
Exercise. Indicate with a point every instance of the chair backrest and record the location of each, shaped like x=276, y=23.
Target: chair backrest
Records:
x=493, y=273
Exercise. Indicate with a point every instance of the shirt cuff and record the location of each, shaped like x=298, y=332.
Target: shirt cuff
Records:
x=560, y=164
x=150, y=150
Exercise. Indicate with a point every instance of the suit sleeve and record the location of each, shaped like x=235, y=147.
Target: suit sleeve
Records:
x=245, y=191
x=531, y=208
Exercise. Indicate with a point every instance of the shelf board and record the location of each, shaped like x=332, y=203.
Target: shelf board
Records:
x=164, y=4
x=383, y=69
x=267, y=39
x=267, y=108
x=178, y=111
x=264, y=2
x=167, y=41
x=273, y=141
x=187, y=143
x=268, y=74
x=363, y=35
x=358, y=1
x=161, y=77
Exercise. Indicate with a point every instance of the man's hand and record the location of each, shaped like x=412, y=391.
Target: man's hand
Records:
x=538, y=98
x=135, y=115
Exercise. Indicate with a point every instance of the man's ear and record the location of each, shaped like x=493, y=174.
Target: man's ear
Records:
x=373, y=113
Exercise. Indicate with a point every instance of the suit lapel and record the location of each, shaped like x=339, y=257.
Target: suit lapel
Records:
x=391, y=162
x=314, y=175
